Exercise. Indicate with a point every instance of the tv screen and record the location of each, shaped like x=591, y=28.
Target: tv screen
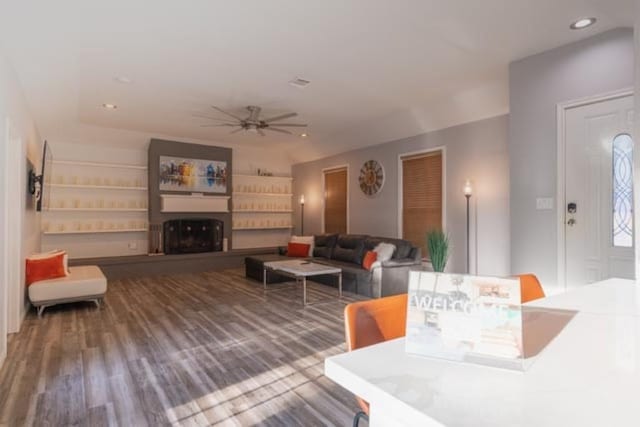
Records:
x=192, y=175
x=42, y=196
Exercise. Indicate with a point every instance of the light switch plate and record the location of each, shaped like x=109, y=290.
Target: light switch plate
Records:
x=544, y=203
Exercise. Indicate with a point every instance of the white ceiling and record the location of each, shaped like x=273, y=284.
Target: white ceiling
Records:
x=380, y=70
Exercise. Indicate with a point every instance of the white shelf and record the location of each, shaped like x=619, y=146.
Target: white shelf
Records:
x=115, y=230
x=99, y=165
x=97, y=187
x=94, y=210
x=242, y=193
x=240, y=175
x=260, y=211
x=288, y=227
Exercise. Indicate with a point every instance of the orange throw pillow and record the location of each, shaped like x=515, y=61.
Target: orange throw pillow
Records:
x=369, y=258
x=298, y=250
x=45, y=268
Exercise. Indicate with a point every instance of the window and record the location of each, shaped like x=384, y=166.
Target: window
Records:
x=335, y=201
x=622, y=191
x=421, y=197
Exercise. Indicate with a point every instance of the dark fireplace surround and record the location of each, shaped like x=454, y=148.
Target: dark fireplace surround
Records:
x=188, y=236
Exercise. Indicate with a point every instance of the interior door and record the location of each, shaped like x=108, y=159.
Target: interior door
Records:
x=599, y=192
x=335, y=200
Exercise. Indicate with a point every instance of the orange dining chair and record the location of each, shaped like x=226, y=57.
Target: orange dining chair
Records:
x=372, y=322
x=530, y=288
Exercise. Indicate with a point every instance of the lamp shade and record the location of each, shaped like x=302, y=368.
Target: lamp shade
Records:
x=468, y=190
x=302, y=199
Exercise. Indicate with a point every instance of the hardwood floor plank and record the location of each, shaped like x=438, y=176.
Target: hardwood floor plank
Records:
x=200, y=349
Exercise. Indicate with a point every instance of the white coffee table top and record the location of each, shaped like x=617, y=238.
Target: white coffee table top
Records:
x=302, y=268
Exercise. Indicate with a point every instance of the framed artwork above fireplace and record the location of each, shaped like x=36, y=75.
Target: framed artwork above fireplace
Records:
x=192, y=175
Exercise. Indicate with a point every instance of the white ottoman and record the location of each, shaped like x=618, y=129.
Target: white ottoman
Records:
x=84, y=283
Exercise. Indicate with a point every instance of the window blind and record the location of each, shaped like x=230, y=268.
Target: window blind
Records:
x=421, y=197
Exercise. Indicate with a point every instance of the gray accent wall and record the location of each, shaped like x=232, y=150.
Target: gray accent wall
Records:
x=475, y=151
x=159, y=147
x=537, y=84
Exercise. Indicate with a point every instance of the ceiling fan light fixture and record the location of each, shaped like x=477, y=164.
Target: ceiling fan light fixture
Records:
x=582, y=23
x=108, y=106
x=304, y=135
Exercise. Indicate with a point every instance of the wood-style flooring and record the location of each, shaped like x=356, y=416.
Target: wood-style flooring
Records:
x=194, y=349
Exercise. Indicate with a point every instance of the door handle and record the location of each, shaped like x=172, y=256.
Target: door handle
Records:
x=571, y=222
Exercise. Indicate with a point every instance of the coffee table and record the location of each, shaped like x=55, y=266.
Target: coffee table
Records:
x=300, y=270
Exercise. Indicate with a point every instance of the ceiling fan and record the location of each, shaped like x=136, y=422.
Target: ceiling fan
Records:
x=253, y=123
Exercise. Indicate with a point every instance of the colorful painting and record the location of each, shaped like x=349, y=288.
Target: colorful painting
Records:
x=192, y=175
x=465, y=318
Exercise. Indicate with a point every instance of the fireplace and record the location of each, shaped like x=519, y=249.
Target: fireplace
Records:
x=187, y=236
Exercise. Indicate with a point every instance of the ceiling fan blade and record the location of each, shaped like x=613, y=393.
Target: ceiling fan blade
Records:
x=281, y=117
x=295, y=125
x=279, y=130
x=236, y=131
x=217, y=125
x=211, y=118
x=261, y=132
x=227, y=113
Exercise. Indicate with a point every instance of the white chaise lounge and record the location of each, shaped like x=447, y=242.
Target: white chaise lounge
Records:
x=84, y=283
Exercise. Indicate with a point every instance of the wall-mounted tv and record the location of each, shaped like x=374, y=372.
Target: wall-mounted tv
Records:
x=38, y=183
x=192, y=175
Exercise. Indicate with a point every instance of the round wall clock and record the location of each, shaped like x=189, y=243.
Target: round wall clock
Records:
x=371, y=177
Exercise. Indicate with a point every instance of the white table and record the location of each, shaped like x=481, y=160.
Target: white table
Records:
x=589, y=375
x=300, y=270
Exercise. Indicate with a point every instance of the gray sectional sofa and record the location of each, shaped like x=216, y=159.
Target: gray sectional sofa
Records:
x=347, y=251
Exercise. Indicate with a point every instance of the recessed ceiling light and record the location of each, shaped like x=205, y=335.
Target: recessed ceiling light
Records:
x=123, y=79
x=299, y=82
x=109, y=106
x=582, y=23
x=304, y=135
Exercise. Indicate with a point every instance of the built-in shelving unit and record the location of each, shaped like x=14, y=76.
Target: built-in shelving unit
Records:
x=139, y=230
x=95, y=209
x=98, y=187
x=262, y=210
x=262, y=228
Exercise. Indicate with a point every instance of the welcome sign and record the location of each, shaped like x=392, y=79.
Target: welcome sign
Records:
x=465, y=318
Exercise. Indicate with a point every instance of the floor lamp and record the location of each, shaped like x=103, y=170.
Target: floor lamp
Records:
x=467, y=194
x=302, y=215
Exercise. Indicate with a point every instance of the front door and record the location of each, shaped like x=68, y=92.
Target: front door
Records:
x=599, y=192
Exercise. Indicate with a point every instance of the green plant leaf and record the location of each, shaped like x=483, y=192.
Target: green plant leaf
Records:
x=438, y=245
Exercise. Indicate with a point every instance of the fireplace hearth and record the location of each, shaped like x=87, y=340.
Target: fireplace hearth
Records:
x=188, y=236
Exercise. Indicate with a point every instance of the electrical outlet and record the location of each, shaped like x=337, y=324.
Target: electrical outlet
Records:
x=133, y=246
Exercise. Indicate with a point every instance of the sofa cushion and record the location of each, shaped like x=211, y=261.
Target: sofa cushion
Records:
x=369, y=259
x=298, y=250
x=42, y=267
x=403, y=247
x=349, y=248
x=83, y=281
x=304, y=239
x=324, y=244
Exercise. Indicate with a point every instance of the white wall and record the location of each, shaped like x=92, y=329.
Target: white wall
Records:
x=593, y=66
x=475, y=151
x=636, y=159
x=14, y=110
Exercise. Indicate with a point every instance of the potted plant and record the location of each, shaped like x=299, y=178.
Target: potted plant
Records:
x=438, y=245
